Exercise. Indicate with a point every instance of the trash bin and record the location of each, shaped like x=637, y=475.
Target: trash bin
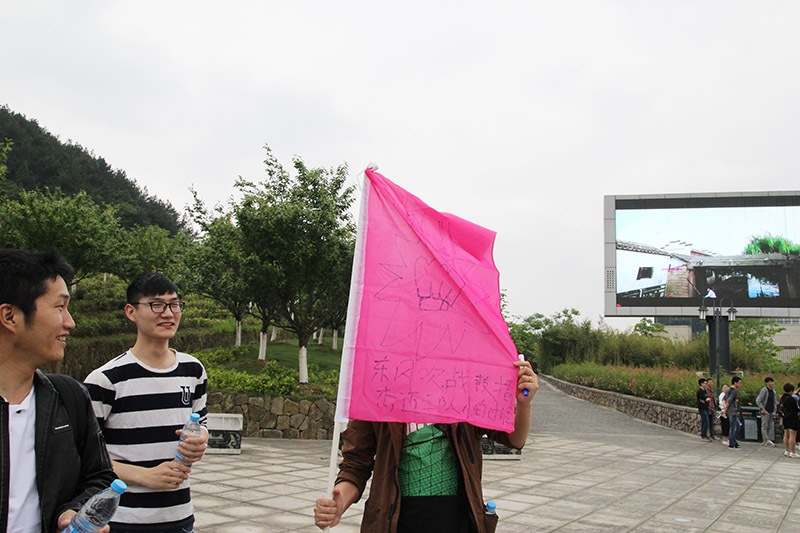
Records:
x=751, y=424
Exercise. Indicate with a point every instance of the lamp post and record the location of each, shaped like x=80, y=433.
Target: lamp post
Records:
x=719, y=339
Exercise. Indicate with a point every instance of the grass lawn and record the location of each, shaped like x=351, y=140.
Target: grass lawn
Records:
x=285, y=352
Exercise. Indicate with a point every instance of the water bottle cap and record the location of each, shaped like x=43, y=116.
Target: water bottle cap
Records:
x=491, y=506
x=194, y=417
x=119, y=486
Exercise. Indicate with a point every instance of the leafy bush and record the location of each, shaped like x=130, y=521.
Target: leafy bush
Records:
x=669, y=385
x=220, y=355
x=563, y=339
x=275, y=380
x=326, y=380
x=232, y=369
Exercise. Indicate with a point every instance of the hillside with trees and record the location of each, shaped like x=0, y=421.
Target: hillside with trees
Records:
x=37, y=159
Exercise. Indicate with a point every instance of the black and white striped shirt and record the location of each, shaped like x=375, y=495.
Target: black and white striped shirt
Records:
x=139, y=408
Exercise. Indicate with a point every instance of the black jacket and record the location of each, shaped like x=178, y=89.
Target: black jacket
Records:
x=702, y=399
x=66, y=476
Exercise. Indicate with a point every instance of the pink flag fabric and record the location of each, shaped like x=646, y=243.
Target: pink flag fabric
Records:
x=425, y=340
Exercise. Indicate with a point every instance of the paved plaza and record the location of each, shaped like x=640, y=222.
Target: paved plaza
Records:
x=584, y=468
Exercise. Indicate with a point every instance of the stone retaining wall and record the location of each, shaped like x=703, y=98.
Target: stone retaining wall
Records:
x=277, y=417
x=664, y=414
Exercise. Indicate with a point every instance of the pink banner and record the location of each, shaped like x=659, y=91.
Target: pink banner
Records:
x=429, y=343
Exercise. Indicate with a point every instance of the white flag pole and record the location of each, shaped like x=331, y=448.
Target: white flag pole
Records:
x=350, y=333
x=337, y=430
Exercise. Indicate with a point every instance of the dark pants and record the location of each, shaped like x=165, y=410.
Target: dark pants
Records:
x=726, y=425
x=704, y=423
x=735, y=425
x=443, y=514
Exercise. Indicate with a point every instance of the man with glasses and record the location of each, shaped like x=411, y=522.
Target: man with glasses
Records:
x=142, y=399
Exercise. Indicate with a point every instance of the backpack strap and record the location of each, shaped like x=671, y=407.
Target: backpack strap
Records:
x=74, y=399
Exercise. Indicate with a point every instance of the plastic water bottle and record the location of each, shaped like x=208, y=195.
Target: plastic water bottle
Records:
x=97, y=512
x=491, y=509
x=190, y=430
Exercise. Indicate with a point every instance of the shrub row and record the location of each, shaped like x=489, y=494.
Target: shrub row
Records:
x=669, y=385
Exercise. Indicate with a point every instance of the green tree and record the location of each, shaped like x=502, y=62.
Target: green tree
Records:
x=300, y=228
x=646, y=327
x=87, y=234
x=153, y=249
x=5, y=148
x=756, y=334
x=262, y=279
x=40, y=159
x=218, y=263
x=769, y=244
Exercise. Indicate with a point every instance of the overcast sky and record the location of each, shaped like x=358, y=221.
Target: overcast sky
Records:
x=518, y=116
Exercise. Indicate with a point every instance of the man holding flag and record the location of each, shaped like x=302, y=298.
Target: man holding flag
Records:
x=443, y=494
x=428, y=367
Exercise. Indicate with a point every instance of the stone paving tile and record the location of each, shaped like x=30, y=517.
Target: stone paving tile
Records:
x=243, y=483
x=242, y=511
x=283, y=490
x=535, y=521
x=206, y=521
x=249, y=527
x=650, y=479
x=660, y=527
x=212, y=477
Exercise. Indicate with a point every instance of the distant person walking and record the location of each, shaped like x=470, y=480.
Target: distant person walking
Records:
x=703, y=401
x=766, y=402
x=790, y=420
x=723, y=420
x=732, y=412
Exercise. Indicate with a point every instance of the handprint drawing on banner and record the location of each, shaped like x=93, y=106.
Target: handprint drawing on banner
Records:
x=435, y=289
x=420, y=280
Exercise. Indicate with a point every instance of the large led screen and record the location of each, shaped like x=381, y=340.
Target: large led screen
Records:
x=666, y=254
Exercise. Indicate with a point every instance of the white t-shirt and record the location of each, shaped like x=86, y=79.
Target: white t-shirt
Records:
x=23, y=498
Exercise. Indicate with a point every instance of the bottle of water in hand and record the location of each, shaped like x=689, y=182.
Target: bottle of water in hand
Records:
x=189, y=431
x=98, y=510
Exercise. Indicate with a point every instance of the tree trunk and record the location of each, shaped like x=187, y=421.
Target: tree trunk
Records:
x=238, y=333
x=302, y=356
x=319, y=340
x=335, y=343
x=274, y=334
x=262, y=346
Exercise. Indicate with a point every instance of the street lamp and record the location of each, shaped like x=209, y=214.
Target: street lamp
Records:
x=719, y=339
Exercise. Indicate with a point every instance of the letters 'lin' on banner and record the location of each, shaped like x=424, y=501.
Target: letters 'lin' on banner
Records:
x=425, y=340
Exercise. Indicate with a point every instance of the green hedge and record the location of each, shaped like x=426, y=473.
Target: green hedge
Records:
x=669, y=385
x=267, y=378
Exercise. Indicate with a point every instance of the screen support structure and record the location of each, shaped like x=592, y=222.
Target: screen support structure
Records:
x=719, y=338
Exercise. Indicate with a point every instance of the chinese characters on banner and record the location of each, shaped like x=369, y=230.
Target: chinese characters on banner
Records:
x=425, y=339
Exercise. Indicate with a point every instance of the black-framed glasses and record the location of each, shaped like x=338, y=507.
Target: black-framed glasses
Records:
x=160, y=307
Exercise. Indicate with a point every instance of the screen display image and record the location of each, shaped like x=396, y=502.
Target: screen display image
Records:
x=671, y=252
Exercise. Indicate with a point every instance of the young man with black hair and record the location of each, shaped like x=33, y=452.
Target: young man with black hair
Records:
x=142, y=399
x=766, y=402
x=52, y=454
x=732, y=412
x=703, y=401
